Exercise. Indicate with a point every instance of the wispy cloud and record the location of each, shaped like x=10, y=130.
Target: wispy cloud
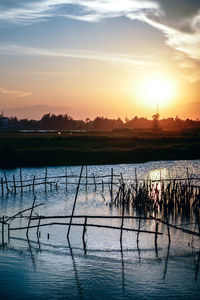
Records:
x=34, y=10
x=178, y=20
x=129, y=60
x=13, y=94
x=188, y=43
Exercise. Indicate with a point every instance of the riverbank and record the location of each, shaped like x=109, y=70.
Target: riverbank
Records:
x=56, y=149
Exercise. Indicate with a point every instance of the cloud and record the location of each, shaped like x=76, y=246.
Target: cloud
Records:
x=13, y=94
x=178, y=20
x=85, y=9
x=129, y=60
x=188, y=43
x=179, y=14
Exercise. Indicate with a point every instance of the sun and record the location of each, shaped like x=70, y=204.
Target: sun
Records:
x=156, y=90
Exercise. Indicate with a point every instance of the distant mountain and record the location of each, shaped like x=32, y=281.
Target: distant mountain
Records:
x=37, y=111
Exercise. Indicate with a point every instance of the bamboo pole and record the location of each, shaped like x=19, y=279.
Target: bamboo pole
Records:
x=8, y=232
x=156, y=237
x=168, y=232
x=84, y=230
x=117, y=176
x=2, y=233
x=95, y=186
x=22, y=211
x=14, y=184
x=29, y=221
x=6, y=181
x=21, y=181
x=102, y=185
x=86, y=178
x=74, y=205
x=136, y=180
x=122, y=222
x=66, y=182
x=57, y=184
x=45, y=181
x=197, y=267
x=92, y=217
x=2, y=188
x=88, y=225
x=139, y=225
x=111, y=192
x=38, y=228
x=34, y=184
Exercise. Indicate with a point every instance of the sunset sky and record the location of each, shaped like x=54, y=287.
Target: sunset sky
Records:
x=88, y=58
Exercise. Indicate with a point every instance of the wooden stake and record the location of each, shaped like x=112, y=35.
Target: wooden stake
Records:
x=29, y=221
x=2, y=231
x=6, y=181
x=66, y=183
x=38, y=228
x=2, y=188
x=21, y=181
x=84, y=230
x=139, y=225
x=156, y=237
x=34, y=184
x=45, y=182
x=95, y=186
x=102, y=185
x=14, y=184
x=122, y=223
x=168, y=230
x=111, y=191
x=86, y=178
x=8, y=232
x=136, y=181
x=21, y=212
x=74, y=205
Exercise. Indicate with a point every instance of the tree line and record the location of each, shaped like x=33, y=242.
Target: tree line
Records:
x=65, y=122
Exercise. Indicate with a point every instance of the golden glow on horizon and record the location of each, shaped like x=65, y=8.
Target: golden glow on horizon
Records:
x=156, y=90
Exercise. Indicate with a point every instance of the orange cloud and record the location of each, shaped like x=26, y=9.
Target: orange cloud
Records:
x=13, y=94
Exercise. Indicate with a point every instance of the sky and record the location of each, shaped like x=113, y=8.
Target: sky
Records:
x=88, y=58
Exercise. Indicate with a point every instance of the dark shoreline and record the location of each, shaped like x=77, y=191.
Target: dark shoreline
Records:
x=51, y=149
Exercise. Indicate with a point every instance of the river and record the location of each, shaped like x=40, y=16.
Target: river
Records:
x=55, y=268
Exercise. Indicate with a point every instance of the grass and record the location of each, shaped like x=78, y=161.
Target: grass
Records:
x=48, y=149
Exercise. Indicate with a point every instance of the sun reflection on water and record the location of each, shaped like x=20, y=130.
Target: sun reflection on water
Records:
x=158, y=177
x=158, y=174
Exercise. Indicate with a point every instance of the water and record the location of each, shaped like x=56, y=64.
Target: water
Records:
x=53, y=268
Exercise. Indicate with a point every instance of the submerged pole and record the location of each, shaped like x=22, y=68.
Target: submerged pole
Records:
x=2, y=187
x=21, y=181
x=111, y=191
x=156, y=237
x=95, y=186
x=122, y=223
x=2, y=231
x=38, y=228
x=6, y=181
x=45, y=181
x=33, y=184
x=8, y=232
x=102, y=185
x=84, y=230
x=74, y=205
x=29, y=221
x=86, y=178
x=168, y=232
x=66, y=183
x=14, y=184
